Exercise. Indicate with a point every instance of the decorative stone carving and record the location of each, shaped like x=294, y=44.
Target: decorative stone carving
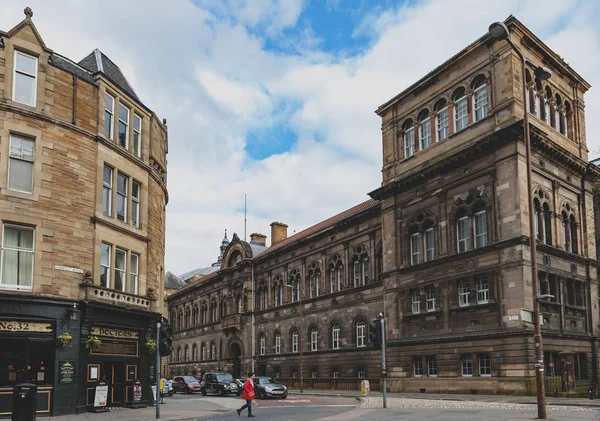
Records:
x=449, y=269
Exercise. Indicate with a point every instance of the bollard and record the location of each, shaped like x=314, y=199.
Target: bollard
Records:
x=365, y=388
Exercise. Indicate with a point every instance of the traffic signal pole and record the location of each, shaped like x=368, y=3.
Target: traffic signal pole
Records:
x=156, y=401
x=383, y=368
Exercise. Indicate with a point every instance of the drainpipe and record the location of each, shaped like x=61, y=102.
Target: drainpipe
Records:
x=253, y=323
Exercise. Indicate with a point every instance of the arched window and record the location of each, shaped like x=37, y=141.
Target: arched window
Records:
x=548, y=99
x=213, y=351
x=314, y=339
x=336, y=273
x=204, y=310
x=213, y=310
x=567, y=120
x=335, y=336
x=278, y=291
x=240, y=303
x=441, y=119
x=295, y=340
x=480, y=98
x=204, y=352
x=360, y=266
x=180, y=320
x=314, y=280
x=361, y=333
x=262, y=344
x=558, y=109
x=538, y=101
x=569, y=228
x=471, y=223
x=179, y=355
x=194, y=352
x=461, y=109
x=542, y=216
x=187, y=353
x=188, y=317
x=294, y=282
x=235, y=258
x=277, y=343
x=409, y=138
x=424, y=129
x=422, y=239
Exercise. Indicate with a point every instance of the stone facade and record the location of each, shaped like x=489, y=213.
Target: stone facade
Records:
x=447, y=235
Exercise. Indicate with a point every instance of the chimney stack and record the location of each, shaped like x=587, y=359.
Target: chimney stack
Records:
x=278, y=232
x=257, y=238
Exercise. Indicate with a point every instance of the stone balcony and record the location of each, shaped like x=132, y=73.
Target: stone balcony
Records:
x=97, y=293
x=232, y=322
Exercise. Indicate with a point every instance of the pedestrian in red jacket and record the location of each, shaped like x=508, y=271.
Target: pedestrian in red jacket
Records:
x=248, y=394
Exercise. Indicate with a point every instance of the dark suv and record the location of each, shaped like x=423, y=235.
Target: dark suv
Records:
x=219, y=383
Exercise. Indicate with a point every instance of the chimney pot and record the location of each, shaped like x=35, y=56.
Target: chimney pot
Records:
x=258, y=238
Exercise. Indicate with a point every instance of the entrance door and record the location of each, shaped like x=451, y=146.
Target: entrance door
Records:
x=235, y=353
x=115, y=373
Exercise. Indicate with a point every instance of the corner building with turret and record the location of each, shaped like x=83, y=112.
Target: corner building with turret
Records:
x=442, y=248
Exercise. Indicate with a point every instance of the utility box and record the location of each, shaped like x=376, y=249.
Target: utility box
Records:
x=365, y=388
x=24, y=402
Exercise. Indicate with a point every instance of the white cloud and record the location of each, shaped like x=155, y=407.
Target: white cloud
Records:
x=205, y=68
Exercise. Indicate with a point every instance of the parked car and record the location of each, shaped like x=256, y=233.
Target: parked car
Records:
x=185, y=384
x=268, y=387
x=220, y=383
x=167, y=388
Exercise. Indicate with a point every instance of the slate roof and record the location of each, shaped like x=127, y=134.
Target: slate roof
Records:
x=97, y=62
x=172, y=281
x=257, y=248
x=70, y=66
x=200, y=271
x=197, y=281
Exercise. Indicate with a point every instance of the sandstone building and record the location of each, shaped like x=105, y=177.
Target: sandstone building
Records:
x=82, y=215
x=442, y=248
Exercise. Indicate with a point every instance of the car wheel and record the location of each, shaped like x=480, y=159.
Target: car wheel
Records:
x=239, y=394
x=203, y=392
x=171, y=393
x=284, y=396
x=263, y=394
x=221, y=392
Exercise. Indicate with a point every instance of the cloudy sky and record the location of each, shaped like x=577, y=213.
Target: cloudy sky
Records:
x=275, y=98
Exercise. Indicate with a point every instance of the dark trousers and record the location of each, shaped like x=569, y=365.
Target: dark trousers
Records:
x=247, y=405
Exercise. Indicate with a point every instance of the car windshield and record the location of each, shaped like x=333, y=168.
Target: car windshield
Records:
x=267, y=380
x=190, y=379
x=224, y=378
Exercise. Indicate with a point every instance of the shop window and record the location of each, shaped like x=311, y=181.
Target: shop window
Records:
x=26, y=361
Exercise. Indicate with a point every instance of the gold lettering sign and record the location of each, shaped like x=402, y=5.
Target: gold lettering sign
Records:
x=115, y=333
x=16, y=326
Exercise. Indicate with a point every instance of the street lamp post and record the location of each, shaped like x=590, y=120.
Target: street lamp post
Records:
x=499, y=31
x=300, y=339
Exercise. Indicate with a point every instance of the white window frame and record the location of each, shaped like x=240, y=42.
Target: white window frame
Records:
x=110, y=111
x=22, y=72
x=465, y=241
x=107, y=265
x=425, y=133
x=480, y=104
x=125, y=197
x=318, y=283
x=280, y=292
x=464, y=293
x=361, y=373
x=442, y=124
x=204, y=352
x=415, y=243
x=314, y=339
x=311, y=288
x=340, y=277
x=416, y=301
x=278, y=343
x=430, y=366
x=361, y=334
x=485, y=365
x=135, y=204
x=417, y=367
x=480, y=237
x=356, y=273
x=295, y=340
x=335, y=336
x=483, y=290
x=365, y=270
x=556, y=118
x=430, y=299
x=126, y=123
x=463, y=118
x=4, y=248
x=122, y=271
x=547, y=111
x=466, y=365
x=409, y=142
x=314, y=374
x=137, y=130
x=11, y=158
x=336, y=373
x=213, y=351
x=429, y=239
x=263, y=345
x=108, y=188
x=536, y=105
x=134, y=274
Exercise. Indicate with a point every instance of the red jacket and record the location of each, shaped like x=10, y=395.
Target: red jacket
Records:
x=248, y=393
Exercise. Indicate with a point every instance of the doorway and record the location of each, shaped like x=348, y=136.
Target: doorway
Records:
x=115, y=376
x=234, y=353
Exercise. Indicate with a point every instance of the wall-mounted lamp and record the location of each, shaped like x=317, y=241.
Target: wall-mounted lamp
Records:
x=74, y=312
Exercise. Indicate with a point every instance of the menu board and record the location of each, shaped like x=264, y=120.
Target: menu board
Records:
x=116, y=347
x=66, y=372
x=137, y=393
x=101, y=396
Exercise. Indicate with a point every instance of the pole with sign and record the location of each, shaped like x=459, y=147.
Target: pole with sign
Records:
x=383, y=367
x=157, y=372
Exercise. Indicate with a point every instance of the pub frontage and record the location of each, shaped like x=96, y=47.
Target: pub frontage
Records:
x=66, y=348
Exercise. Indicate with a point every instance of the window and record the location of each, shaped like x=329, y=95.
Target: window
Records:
x=278, y=343
x=480, y=100
x=431, y=366
x=480, y=228
x=123, y=126
x=294, y=374
x=340, y=277
x=17, y=257
x=361, y=373
x=137, y=135
x=463, y=293
x=105, y=265
x=462, y=234
x=365, y=270
x=314, y=339
x=429, y=245
x=109, y=111
x=25, y=79
x=314, y=374
x=418, y=367
x=122, y=185
x=107, y=178
x=263, y=345
x=443, y=126
x=332, y=280
x=204, y=352
x=213, y=351
x=424, y=131
x=461, y=113
x=415, y=249
x=318, y=283
x=466, y=365
x=336, y=373
x=430, y=295
x=120, y=269
x=335, y=339
x=356, y=273
x=485, y=365
x=416, y=301
x=136, y=189
x=409, y=142
x=360, y=334
x=295, y=337
x=133, y=273
x=20, y=163
x=295, y=291
x=195, y=352
x=483, y=290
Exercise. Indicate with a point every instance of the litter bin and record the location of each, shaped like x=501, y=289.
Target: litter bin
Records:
x=24, y=402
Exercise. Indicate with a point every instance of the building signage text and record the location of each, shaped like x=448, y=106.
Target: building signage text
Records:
x=68, y=269
x=16, y=326
x=114, y=333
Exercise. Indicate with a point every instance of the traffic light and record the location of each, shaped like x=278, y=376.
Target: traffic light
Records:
x=375, y=333
x=165, y=347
